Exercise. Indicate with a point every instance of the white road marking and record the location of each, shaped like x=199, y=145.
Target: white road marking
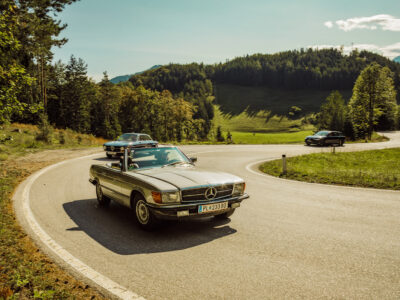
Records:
x=106, y=283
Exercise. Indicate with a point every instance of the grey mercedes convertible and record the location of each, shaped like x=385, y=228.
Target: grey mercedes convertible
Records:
x=163, y=183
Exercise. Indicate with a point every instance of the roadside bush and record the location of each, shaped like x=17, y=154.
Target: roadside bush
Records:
x=45, y=130
x=219, y=136
x=61, y=137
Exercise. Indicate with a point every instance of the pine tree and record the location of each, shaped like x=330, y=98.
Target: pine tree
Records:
x=332, y=114
x=76, y=97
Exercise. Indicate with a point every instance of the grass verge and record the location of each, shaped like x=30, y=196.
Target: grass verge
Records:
x=374, y=168
x=25, y=272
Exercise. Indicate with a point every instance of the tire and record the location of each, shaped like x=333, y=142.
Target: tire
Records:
x=143, y=216
x=101, y=199
x=225, y=215
x=109, y=155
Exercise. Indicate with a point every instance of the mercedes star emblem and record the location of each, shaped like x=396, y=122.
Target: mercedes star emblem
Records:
x=210, y=193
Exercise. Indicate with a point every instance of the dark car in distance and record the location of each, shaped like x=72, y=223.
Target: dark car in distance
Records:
x=325, y=138
x=128, y=141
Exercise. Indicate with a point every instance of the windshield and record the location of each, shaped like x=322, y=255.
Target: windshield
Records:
x=128, y=137
x=322, y=133
x=156, y=157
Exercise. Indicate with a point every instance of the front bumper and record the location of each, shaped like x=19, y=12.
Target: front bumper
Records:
x=118, y=153
x=170, y=212
x=311, y=141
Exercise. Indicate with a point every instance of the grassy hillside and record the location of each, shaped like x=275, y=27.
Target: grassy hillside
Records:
x=270, y=138
x=234, y=99
x=261, y=122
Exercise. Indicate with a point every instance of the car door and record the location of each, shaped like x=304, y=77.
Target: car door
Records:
x=112, y=181
x=334, y=138
x=328, y=138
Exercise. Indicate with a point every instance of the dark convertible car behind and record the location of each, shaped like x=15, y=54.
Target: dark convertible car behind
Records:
x=324, y=138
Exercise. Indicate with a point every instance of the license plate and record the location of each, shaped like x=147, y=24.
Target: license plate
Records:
x=212, y=207
x=111, y=152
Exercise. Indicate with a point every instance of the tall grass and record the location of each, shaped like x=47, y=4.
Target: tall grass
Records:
x=17, y=139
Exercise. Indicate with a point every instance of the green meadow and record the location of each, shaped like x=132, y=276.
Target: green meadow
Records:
x=374, y=168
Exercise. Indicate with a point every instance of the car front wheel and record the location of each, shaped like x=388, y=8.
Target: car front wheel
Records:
x=109, y=155
x=144, y=218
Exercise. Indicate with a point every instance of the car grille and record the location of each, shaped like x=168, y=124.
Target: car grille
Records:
x=198, y=194
x=118, y=148
x=113, y=148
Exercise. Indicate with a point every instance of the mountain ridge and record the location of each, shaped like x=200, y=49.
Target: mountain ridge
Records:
x=123, y=78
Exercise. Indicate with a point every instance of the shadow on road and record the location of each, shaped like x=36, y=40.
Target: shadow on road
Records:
x=115, y=229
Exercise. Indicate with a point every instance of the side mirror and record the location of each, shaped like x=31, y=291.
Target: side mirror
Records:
x=193, y=159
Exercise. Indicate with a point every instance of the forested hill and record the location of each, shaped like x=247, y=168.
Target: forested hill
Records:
x=301, y=71
x=124, y=78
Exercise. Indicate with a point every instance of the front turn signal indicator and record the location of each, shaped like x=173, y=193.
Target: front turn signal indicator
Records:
x=156, y=197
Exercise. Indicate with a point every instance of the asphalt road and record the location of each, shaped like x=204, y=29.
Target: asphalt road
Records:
x=289, y=240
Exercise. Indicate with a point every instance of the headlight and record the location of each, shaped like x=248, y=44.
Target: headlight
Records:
x=122, y=148
x=170, y=197
x=238, y=188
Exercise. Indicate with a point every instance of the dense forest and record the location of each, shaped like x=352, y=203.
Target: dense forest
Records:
x=171, y=102
x=325, y=69
x=33, y=89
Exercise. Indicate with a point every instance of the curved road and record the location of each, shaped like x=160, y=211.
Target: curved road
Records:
x=289, y=240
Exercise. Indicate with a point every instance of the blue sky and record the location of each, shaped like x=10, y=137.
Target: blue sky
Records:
x=126, y=36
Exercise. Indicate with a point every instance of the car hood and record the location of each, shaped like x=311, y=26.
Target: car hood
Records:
x=185, y=177
x=119, y=143
x=314, y=137
x=127, y=143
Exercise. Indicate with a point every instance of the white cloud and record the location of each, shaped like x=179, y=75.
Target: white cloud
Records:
x=384, y=22
x=328, y=24
x=390, y=51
